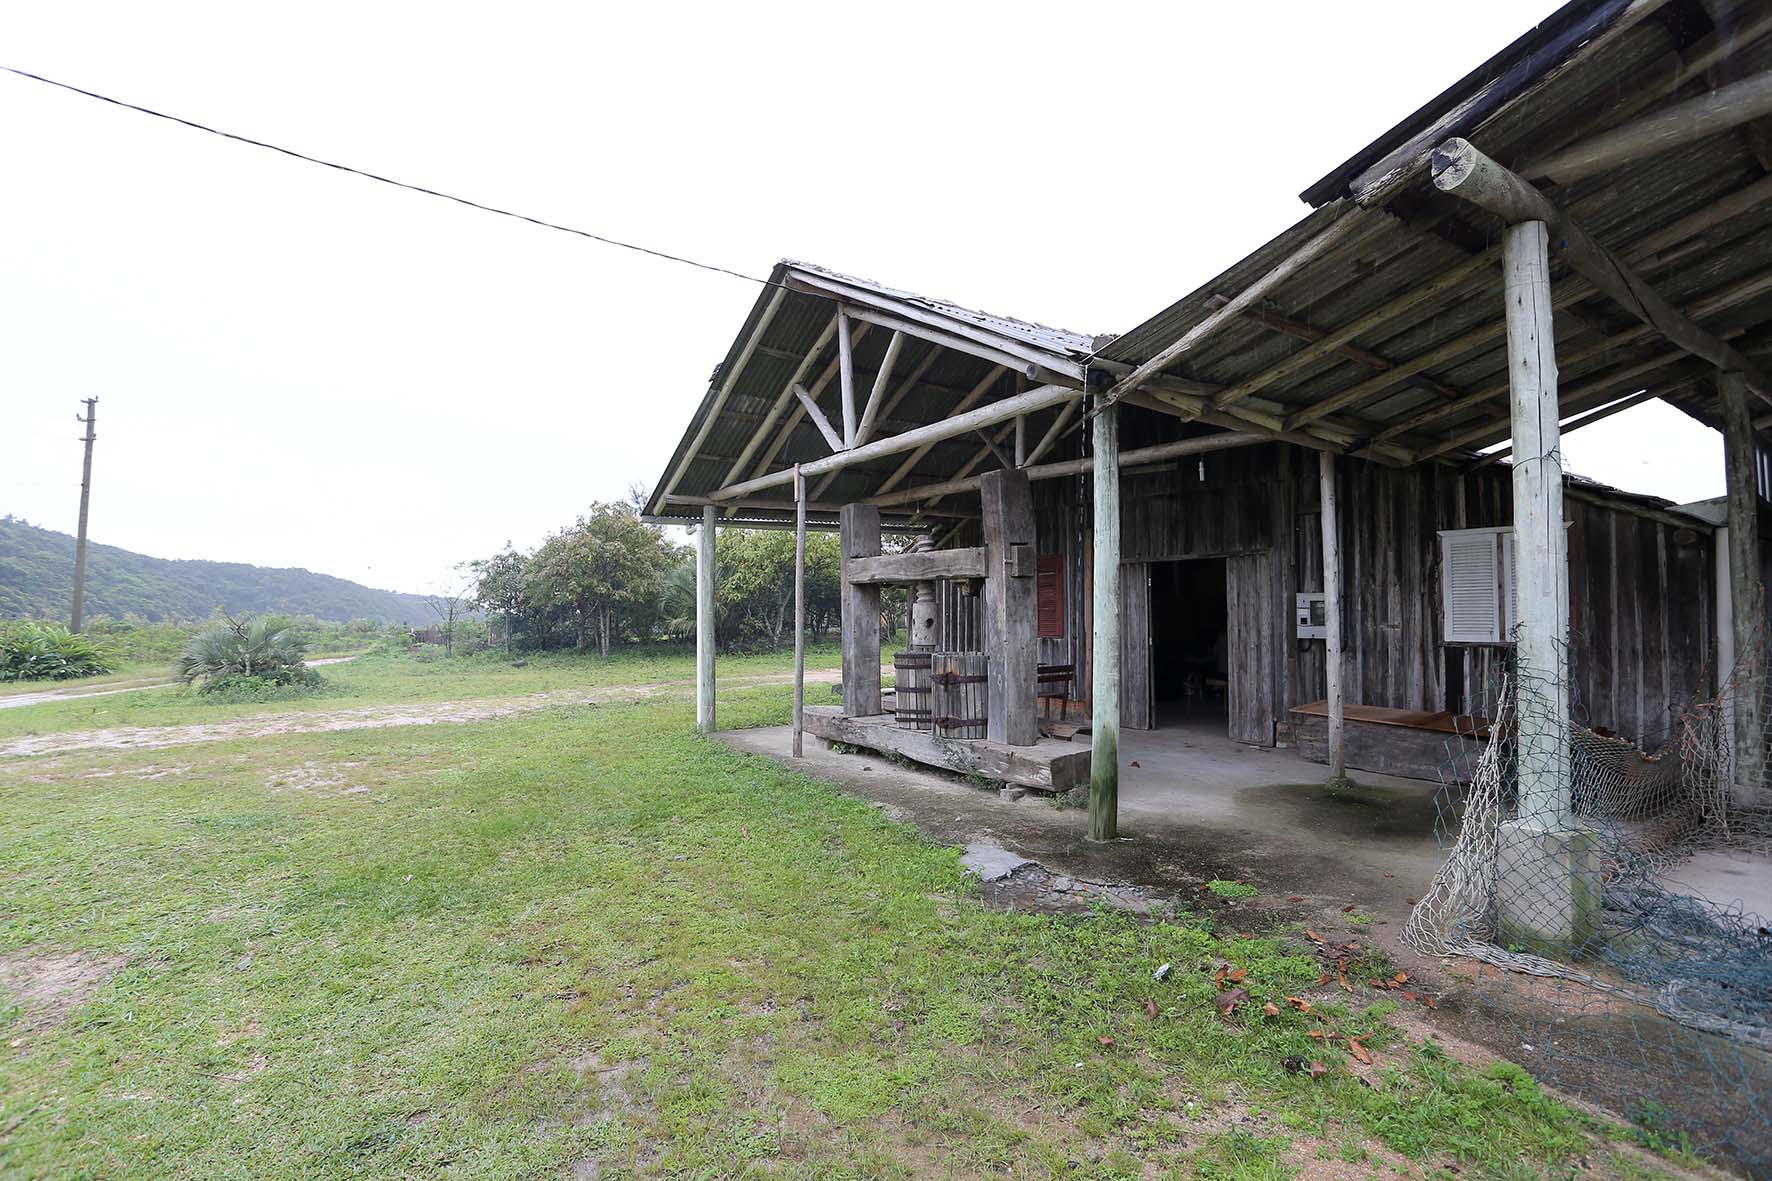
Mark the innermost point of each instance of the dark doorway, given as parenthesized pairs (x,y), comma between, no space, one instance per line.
(1190,659)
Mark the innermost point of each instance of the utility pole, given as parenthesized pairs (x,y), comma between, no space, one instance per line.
(85,499)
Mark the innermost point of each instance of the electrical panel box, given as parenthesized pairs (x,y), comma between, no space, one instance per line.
(1311,616)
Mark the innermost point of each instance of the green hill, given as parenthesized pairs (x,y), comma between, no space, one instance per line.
(37,580)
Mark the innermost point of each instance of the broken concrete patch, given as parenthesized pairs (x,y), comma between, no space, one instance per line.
(991,862)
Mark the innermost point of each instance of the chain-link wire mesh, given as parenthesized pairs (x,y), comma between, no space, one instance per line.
(1566,889)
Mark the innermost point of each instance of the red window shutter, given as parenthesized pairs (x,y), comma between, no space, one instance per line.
(1051,596)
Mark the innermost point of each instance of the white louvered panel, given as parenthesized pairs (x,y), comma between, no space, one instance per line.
(1472,588)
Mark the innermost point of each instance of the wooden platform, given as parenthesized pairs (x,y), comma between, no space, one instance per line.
(1049,765)
(1412,743)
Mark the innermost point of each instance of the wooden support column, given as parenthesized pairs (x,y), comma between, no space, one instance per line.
(1104,731)
(859,525)
(1011,609)
(1540,543)
(704,622)
(799,612)
(846,378)
(1547,887)
(1332,617)
(1746,609)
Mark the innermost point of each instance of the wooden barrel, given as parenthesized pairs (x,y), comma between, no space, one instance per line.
(959,694)
(913,670)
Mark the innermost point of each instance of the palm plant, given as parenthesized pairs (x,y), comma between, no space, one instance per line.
(49,652)
(264,646)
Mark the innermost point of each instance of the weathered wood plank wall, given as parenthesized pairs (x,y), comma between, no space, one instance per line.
(1642,589)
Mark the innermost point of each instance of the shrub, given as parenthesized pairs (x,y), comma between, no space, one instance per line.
(271,686)
(50,652)
(266,647)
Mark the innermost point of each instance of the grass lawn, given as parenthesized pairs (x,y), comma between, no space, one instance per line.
(382,678)
(586,942)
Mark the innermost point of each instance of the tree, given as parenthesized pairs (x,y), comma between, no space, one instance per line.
(606,569)
(501,584)
(446,604)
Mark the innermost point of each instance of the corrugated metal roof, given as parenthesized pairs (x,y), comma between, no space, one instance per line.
(1414,382)
(748,422)
(1418,234)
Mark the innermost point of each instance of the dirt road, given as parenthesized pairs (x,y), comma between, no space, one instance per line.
(369,717)
(20,700)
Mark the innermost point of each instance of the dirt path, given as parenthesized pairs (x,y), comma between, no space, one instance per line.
(370,717)
(20,700)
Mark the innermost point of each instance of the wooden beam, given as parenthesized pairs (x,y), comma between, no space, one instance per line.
(917,566)
(1461,170)
(799,613)
(1651,252)
(948,340)
(786,398)
(727,380)
(1011,611)
(1104,691)
(1675,126)
(1702,308)
(831,437)
(1052,435)
(898,395)
(882,379)
(1021,441)
(925,436)
(911,318)
(846,377)
(1440,285)
(1572,423)
(1341,230)
(704,623)
(1625,380)
(915,457)
(859,537)
(1158,453)
(1003,460)
(1541,544)
(1594,33)
(1747,607)
(1353,352)
(1332,618)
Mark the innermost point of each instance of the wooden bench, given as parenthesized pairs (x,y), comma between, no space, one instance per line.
(1415,744)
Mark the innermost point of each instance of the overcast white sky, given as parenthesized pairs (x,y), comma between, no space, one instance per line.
(302,368)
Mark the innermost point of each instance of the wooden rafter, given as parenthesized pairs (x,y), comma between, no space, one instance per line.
(727,381)
(918,438)
(898,395)
(1460,169)
(1660,131)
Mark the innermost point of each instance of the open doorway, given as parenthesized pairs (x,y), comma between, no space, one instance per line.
(1190,637)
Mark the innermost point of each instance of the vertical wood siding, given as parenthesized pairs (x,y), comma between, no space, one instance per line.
(1642,605)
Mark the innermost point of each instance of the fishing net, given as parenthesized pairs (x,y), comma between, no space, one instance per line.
(1612,936)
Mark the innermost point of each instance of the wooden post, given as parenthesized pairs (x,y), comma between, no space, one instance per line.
(1745,607)
(859,526)
(846,371)
(1011,610)
(79,611)
(1541,545)
(1547,887)
(799,611)
(1332,617)
(704,622)
(1104,725)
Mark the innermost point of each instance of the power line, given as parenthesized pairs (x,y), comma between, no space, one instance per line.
(399,184)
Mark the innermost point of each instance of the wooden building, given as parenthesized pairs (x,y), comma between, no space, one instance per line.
(1582,223)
